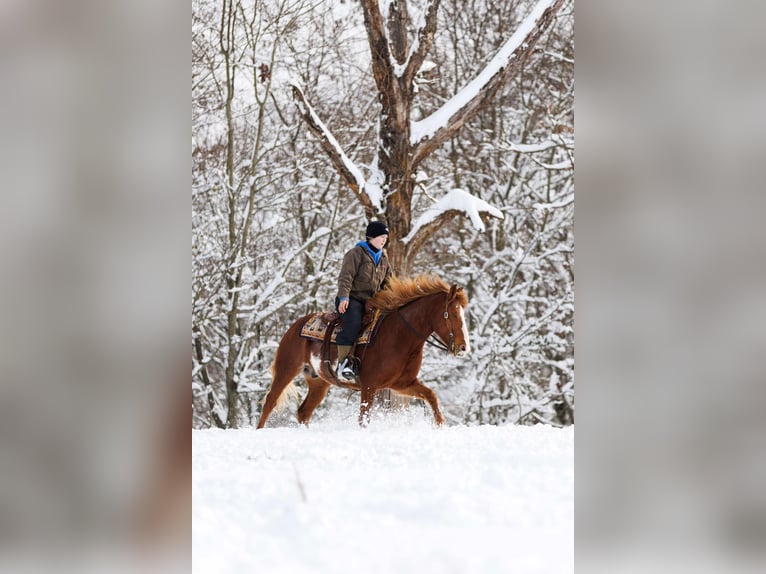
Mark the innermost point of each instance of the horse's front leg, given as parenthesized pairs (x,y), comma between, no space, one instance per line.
(420,391)
(365,405)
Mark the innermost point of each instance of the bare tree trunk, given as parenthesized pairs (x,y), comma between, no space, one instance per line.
(228,17)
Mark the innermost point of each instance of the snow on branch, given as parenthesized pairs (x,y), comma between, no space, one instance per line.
(426,27)
(537,147)
(458,201)
(370,195)
(464,105)
(384,6)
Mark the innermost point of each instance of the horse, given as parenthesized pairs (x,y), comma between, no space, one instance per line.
(413,309)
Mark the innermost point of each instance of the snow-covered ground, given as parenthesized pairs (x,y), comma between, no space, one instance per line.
(400,496)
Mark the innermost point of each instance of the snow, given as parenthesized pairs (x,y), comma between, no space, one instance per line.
(341,10)
(385,6)
(427,66)
(427,127)
(400,496)
(373,186)
(542,146)
(455,200)
(565,164)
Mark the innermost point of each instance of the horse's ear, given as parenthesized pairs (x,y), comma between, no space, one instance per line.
(452,292)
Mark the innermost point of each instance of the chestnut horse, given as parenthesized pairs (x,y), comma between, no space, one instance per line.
(413,309)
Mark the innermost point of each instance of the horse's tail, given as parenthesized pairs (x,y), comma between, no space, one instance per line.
(289,393)
(281,367)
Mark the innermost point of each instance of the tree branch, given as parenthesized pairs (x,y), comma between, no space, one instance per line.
(448,119)
(455,203)
(425,232)
(379,48)
(397,28)
(348,171)
(425,40)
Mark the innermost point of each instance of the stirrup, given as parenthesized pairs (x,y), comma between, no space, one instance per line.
(346,371)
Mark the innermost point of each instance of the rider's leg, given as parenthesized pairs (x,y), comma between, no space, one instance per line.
(343,351)
(352,324)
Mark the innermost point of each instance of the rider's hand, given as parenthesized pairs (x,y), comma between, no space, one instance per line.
(343,306)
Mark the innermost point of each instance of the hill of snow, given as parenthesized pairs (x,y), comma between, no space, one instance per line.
(400,496)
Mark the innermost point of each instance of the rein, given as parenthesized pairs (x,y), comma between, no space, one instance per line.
(432,339)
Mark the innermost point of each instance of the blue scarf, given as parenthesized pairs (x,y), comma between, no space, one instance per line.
(375,256)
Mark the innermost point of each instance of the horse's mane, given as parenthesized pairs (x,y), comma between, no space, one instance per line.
(402,290)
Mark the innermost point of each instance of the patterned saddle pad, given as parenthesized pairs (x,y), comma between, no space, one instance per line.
(316,327)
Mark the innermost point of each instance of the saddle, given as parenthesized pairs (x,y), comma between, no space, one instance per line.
(317,325)
(323,327)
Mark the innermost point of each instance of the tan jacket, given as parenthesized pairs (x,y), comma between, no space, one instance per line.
(359,277)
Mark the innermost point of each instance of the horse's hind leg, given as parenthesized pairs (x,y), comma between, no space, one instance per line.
(317,392)
(420,391)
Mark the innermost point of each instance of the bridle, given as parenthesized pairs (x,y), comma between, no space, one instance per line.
(433,339)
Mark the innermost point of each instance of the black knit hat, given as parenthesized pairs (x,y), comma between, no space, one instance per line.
(376,228)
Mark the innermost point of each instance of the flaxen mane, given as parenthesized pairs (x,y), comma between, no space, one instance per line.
(401,291)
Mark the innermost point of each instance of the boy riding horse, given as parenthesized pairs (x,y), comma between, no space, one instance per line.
(364,272)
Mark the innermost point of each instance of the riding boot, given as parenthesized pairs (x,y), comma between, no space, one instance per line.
(345,368)
(343,351)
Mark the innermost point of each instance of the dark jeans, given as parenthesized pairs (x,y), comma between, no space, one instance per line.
(352,321)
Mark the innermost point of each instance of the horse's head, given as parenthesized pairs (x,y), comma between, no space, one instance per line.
(452,330)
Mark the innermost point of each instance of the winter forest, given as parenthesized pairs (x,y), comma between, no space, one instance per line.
(452,121)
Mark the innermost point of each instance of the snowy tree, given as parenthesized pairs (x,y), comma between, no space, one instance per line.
(518,155)
(403,142)
(271,217)
(237,168)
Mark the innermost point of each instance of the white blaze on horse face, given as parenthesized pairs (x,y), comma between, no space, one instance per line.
(465,330)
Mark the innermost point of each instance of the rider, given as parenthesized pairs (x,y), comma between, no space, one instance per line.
(364,272)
